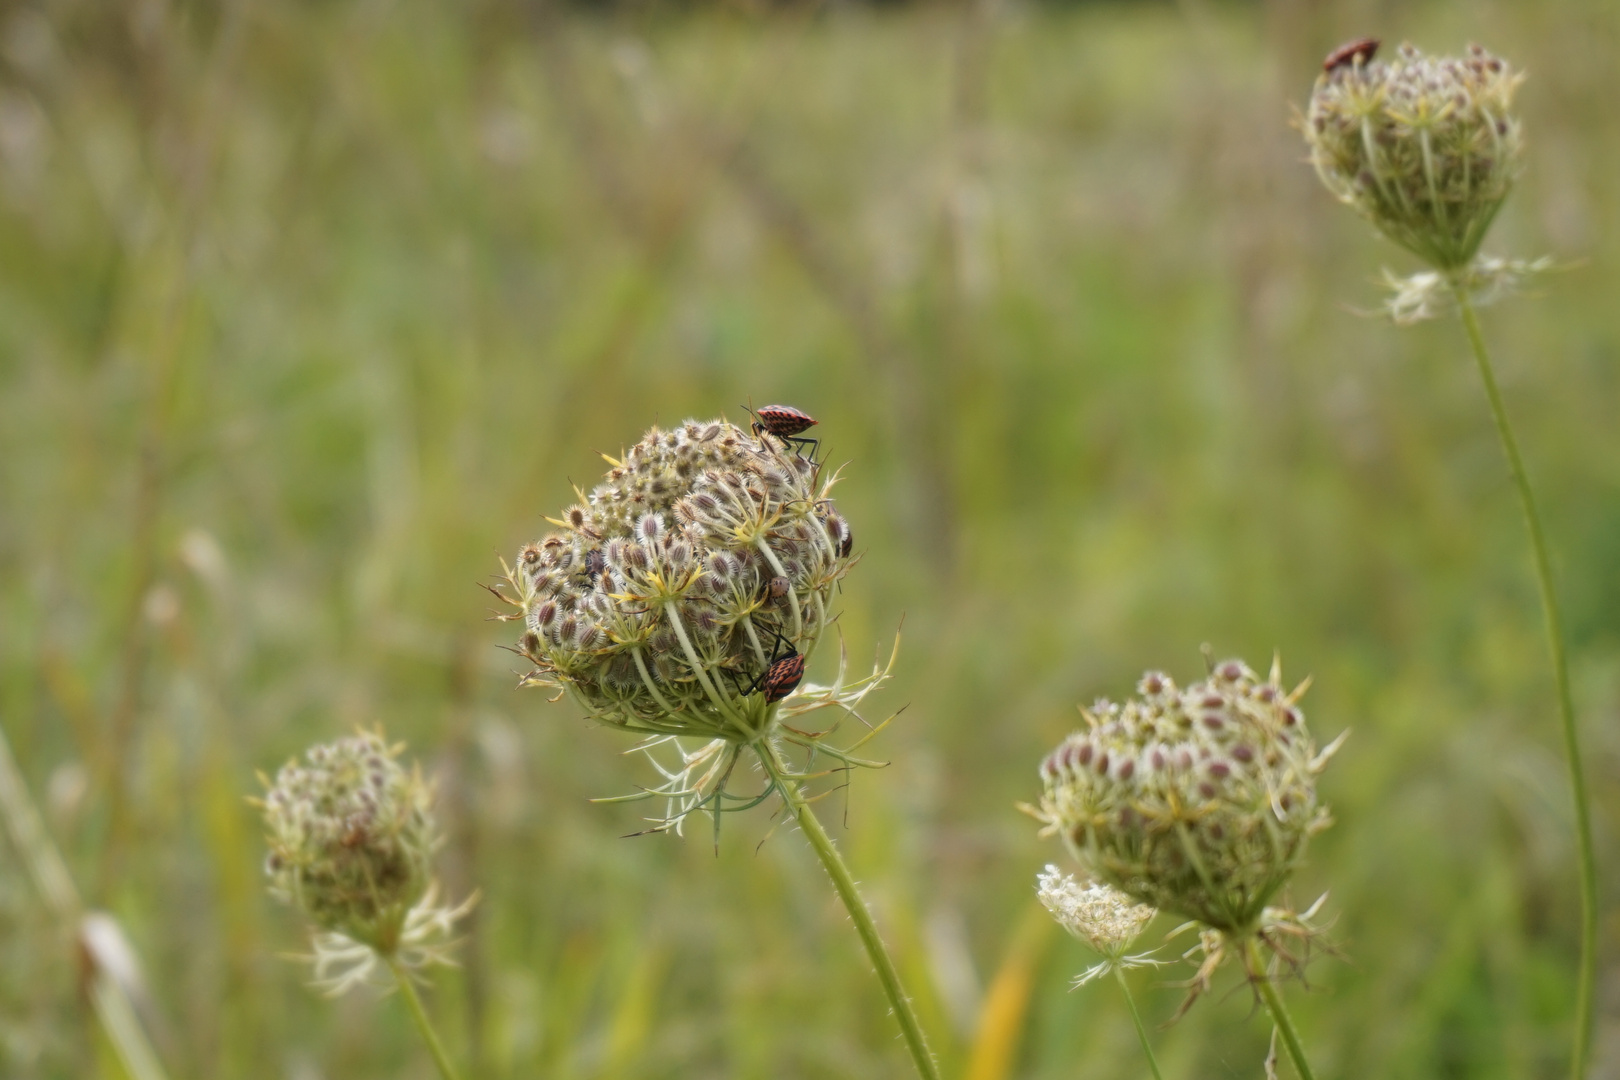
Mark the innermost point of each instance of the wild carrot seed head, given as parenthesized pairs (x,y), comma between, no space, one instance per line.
(661,599)
(1197,801)
(351,836)
(1427,148)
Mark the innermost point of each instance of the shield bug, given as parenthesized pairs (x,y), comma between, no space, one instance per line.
(781,676)
(1357,53)
(785,422)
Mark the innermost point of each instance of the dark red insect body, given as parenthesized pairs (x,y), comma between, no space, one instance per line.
(782,677)
(785,422)
(1360,51)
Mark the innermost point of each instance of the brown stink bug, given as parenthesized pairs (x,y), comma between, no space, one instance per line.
(1351,54)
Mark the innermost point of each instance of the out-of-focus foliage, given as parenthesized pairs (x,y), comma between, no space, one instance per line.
(307,312)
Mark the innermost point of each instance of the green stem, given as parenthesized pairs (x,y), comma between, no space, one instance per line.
(1141,1029)
(1566,704)
(113,1009)
(1279,1013)
(844,884)
(413,1002)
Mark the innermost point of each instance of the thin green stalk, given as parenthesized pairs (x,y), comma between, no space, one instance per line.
(1279,1012)
(1141,1029)
(108,997)
(1566,703)
(844,884)
(413,1002)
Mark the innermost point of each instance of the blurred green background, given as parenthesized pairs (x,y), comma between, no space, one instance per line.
(309,311)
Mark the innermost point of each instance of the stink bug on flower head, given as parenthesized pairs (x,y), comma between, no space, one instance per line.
(781,676)
(1351,53)
(785,422)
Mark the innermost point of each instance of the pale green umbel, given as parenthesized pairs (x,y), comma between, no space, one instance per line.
(352,835)
(669,587)
(1200,802)
(1425,147)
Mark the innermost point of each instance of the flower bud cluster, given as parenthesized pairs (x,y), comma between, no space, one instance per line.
(1427,148)
(662,597)
(351,837)
(1197,801)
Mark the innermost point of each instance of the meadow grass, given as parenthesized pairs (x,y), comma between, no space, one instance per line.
(306,312)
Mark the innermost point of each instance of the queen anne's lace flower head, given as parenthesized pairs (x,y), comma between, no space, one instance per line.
(351,835)
(1198,802)
(1426,148)
(1101,916)
(704,554)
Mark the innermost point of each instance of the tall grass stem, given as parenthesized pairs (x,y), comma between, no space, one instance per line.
(413,1002)
(108,997)
(1141,1029)
(1566,704)
(844,884)
(1274,1004)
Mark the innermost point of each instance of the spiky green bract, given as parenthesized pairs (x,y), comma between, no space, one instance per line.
(352,835)
(1426,148)
(1198,802)
(662,598)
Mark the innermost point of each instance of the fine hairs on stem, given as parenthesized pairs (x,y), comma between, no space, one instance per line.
(860,915)
(1428,149)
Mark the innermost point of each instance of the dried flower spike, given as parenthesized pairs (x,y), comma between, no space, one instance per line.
(659,603)
(1198,801)
(1426,148)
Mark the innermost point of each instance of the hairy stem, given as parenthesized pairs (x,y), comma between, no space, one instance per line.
(1141,1029)
(844,884)
(1274,1004)
(419,1016)
(1566,704)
